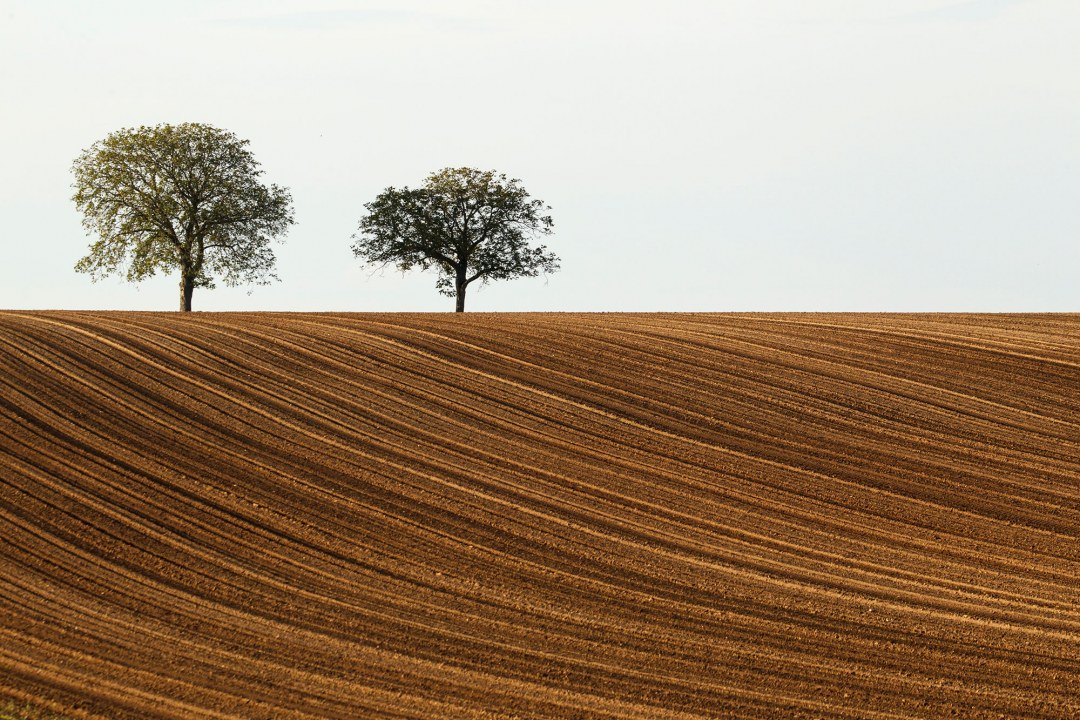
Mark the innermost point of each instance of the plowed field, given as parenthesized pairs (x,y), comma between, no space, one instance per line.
(540,516)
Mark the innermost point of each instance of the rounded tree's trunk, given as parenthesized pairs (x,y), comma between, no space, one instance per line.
(460,286)
(187,287)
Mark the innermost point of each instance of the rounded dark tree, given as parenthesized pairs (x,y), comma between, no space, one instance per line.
(469,225)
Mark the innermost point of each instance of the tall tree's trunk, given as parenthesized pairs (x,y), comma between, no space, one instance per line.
(460,284)
(187,287)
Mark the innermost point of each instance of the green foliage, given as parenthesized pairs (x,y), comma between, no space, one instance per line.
(184,197)
(467,224)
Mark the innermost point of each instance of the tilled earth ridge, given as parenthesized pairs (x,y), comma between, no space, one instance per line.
(540,515)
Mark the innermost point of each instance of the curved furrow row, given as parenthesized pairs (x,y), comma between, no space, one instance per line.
(759,447)
(652,508)
(655,408)
(591,516)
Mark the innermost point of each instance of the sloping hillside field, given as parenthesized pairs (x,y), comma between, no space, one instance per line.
(540,516)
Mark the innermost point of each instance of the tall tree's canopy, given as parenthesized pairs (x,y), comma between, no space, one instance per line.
(178,197)
(465,223)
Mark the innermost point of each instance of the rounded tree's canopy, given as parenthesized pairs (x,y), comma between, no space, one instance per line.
(178,197)
(467,224)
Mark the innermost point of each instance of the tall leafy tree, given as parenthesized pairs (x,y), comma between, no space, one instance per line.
(469,225)
(181,198)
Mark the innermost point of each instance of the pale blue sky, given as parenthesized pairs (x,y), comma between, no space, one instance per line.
(697,154)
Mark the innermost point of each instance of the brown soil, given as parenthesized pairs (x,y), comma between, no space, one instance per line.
(540,516)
